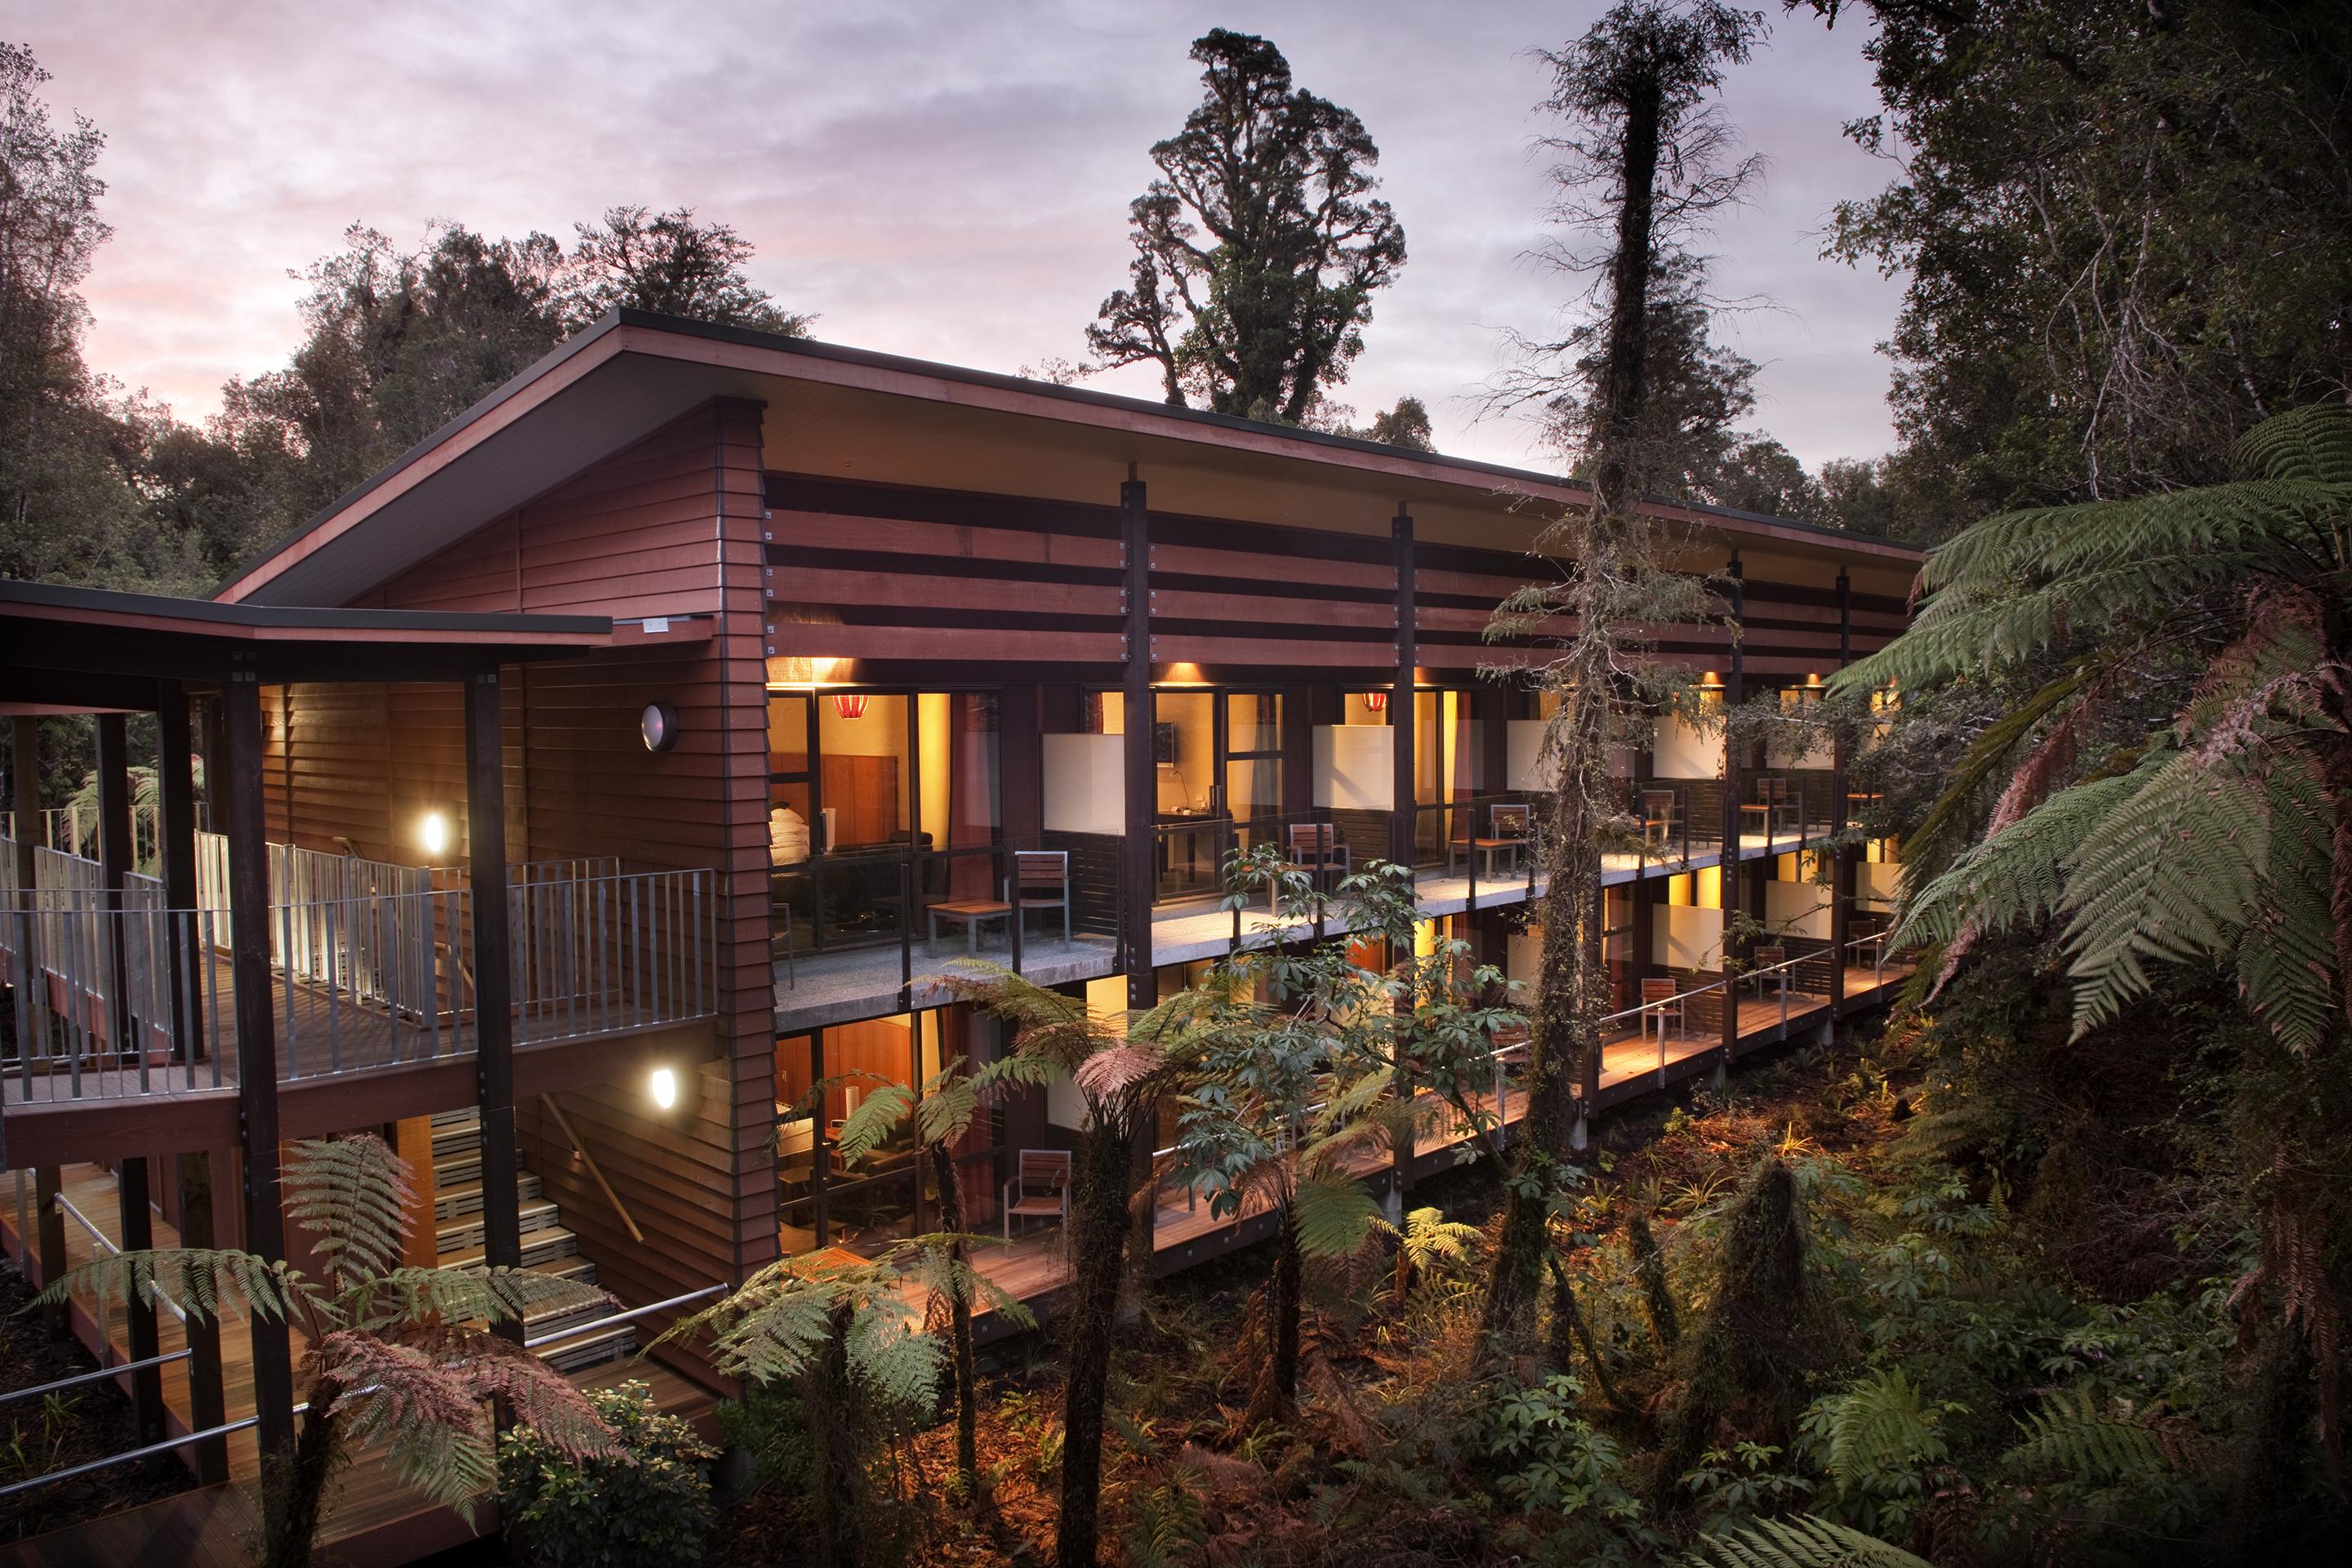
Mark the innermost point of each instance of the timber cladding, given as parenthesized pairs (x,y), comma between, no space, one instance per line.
(865,571)
(668,528)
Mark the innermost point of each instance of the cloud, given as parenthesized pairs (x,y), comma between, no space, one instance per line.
(948,180)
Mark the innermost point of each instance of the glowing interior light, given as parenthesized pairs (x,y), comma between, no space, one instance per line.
(664,1087)
(434,833)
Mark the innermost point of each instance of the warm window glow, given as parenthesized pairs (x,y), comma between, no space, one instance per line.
(664,1088)
(433,833)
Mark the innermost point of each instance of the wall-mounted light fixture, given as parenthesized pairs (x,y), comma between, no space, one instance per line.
(849,704)
(657,726)
(432,834)
(662,1088)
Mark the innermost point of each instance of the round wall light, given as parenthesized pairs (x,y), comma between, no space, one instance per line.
(657,726)
(432,834)
(663,1087)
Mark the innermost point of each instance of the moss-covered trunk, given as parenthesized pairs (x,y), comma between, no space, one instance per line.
(830,1403)
(1098,1230)
(967,1377)
(1276,1396)
(294,1505)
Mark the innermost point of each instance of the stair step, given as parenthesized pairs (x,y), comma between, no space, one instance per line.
(454,1201)
(550,1245)
(467,1232)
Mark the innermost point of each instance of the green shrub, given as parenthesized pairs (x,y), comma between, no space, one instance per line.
(645,1505)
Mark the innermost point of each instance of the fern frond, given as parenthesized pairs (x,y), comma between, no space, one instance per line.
(2073,1438)
(354,1195)
(878,1114)
(1881,1425)
(2304,445)
(2020,875)
(2173,873)
(1333,1213)
(1796,1542)
(192,1276)
(436,1432)
(1936,841)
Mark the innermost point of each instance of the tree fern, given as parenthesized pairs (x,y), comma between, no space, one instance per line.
(1334,1214)
(192,1276)
(1795,1543)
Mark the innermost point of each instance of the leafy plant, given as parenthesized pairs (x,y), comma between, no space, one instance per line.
(397,1354)
(1428,1243)
(645,1503)
(1798,1542)
(1559,1462)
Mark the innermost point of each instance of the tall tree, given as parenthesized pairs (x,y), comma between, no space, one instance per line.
(2127,232)
(1258,249)
(1644,156)
(669,263)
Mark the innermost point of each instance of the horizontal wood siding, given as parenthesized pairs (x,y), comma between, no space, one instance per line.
(668,528)
(891,572)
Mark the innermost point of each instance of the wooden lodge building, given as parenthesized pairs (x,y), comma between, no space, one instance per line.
(636,752)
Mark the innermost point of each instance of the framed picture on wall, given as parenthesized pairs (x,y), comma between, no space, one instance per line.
(1164,742)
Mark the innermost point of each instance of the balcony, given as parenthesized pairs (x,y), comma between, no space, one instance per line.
(371,968)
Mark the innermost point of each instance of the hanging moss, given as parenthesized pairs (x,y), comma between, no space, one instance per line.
(1765,1329)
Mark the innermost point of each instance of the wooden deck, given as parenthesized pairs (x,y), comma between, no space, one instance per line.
(371,1519)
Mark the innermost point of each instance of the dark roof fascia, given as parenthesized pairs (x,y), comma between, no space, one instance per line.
(869,358)
(291,617)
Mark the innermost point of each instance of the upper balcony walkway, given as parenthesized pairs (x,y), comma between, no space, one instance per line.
(1470,855)
(370,971)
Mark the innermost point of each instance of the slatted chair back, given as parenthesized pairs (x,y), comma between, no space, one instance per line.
(1768,957)
(1656,991)
(1658,805)
(1045,1170)
(1510,821)
(1044,875)
(1313,843)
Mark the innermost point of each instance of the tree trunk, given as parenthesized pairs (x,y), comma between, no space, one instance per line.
(1625,387)
(830,1407)
(967,1379)
(294,1504)
(1649,1270)
(1276,1396)
(1098,1228)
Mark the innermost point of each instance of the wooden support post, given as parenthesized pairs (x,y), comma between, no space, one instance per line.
(117,855)
(1727,876)
(46,1186)
(412,1140)
(1842,856)
(32,1010)
(1404,820)
(175,833)
(207,1396)
(240,781)
(1138,848)
(486,834)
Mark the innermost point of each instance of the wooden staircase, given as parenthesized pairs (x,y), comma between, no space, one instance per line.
(547,1248)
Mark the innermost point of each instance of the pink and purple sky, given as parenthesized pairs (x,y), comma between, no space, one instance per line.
(944,180)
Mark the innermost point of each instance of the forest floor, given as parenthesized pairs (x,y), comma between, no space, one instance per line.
(39,1435)
(1183,1370)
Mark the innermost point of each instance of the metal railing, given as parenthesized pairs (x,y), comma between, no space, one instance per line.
(370,966)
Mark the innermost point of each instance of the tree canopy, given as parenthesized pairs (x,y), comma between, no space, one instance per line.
(1259,247)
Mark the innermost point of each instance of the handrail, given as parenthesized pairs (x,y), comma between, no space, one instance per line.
(603,1325)
(149,1451)
(593,1169)
(114,1249)
(100,1374)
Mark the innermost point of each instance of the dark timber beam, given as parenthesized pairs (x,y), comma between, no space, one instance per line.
(117,858)
(1842,856)
(1136,849)
(1404,820)
(176,833)
(257,1051)
(486,834)
(25,734)
(1729,870)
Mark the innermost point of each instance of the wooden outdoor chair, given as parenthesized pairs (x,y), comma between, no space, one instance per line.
(1316,848)
(1764,958)
(1658,816)
(1044,879)
(1662,999)
(1040,1188)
